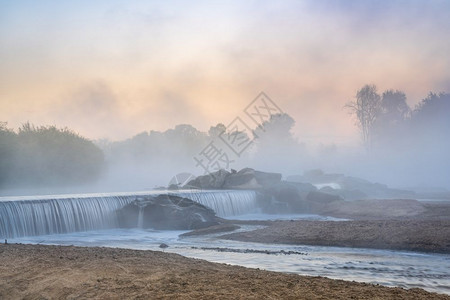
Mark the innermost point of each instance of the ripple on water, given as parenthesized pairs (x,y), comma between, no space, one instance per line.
(385,267)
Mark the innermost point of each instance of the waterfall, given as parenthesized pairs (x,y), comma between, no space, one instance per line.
(52,216)
(225,203)
(140,222)
(40,215)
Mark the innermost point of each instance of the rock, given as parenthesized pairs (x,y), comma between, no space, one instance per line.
(173,187)
(318,201)
(344,193)
(246,175)
(351,188)
(166,212)
(322,198)
(286,197)
(267,179)
(213,180)
(241,180)
(246,178)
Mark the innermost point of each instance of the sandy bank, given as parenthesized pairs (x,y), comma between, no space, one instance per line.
(387,209)
(413,235)
(44,272)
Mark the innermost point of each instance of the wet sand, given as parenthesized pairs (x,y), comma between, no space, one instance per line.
(401,224)
(412,235)
(49,272)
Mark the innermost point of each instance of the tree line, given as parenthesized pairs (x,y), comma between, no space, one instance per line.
(388,120)
(46,156)
(40,156)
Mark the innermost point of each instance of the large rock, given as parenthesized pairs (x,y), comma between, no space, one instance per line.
(344,193)
(350,188)
(286,197)
(322,198)
(319,200)
(166,212)
(250,178)
(246,178)
(213,180)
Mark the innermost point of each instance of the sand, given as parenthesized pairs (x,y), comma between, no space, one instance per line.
(62,272)
(388,209)
(66,272)
(413,235)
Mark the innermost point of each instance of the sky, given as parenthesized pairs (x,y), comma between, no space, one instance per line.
(112,69)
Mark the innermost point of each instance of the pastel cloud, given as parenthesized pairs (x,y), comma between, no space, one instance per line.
(154,65)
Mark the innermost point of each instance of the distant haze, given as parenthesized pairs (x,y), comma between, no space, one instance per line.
(111,69)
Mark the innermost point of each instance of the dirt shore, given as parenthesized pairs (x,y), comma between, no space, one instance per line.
(387,209)
(62,272)
(420,235)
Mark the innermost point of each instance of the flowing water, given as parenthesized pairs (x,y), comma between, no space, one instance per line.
(90,220)
(391,268)
(39,215)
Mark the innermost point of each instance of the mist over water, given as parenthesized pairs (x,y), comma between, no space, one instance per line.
(412,155)
(324,125)
(131,72)
(407,152)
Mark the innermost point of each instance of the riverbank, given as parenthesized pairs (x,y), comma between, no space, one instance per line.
(411,235)
(37,271)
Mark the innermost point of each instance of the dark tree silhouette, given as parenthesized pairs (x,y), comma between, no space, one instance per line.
(278,127)
(275,137)
(432,115)
(392,117)
(394,108)
(47,155)
(215,131)
(8,140)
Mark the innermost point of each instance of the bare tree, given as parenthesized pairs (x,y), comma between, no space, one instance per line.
(366,108)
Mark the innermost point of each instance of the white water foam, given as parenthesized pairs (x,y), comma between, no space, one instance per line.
(39,215)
